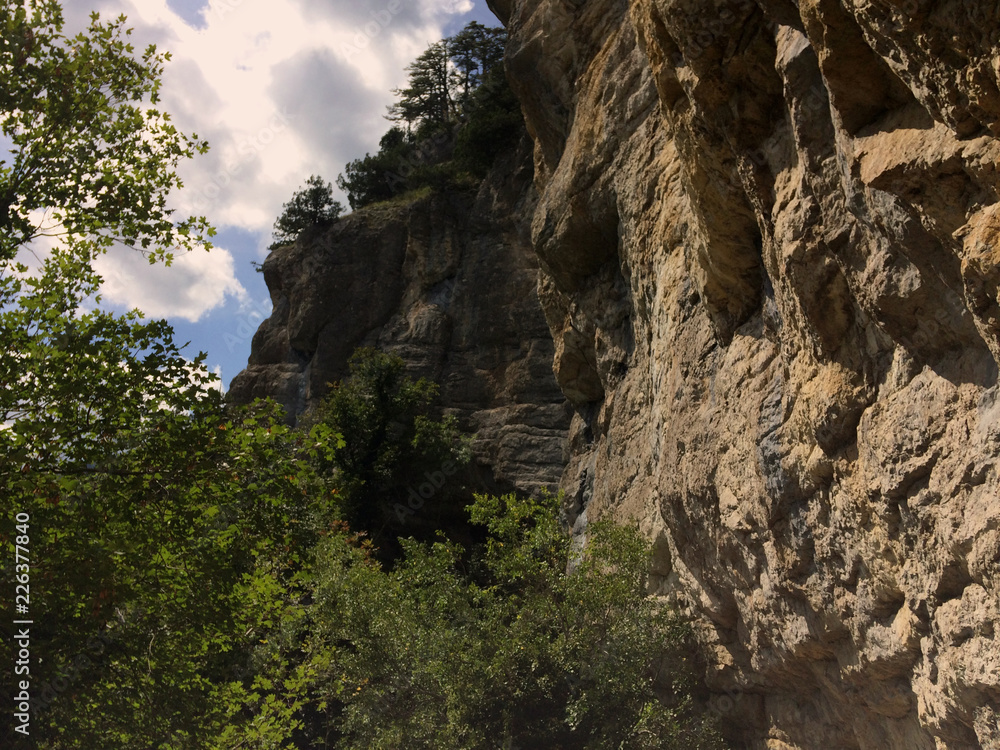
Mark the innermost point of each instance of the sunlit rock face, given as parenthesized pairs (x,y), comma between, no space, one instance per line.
(769,235)
(449,283)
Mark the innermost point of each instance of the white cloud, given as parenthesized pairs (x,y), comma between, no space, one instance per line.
(195,283)
(281,89)
(221,384)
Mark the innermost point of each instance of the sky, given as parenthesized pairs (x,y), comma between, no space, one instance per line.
(281,89)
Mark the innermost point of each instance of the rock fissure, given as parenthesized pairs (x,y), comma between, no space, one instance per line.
(814,204)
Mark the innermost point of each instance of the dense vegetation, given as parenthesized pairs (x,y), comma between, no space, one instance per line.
(203,576)
(456,114)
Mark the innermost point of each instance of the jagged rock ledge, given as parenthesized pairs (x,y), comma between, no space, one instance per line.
(447,281)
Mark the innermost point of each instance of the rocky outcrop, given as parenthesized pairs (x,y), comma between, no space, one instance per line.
(448,282)
(770,241)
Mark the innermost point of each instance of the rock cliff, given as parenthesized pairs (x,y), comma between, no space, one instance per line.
(448,282)
(769,236)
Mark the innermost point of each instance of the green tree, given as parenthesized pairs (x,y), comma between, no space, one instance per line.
(427,99)
(166,530)
(91,158)
(475,51)
(459,113)
(493,124)
(193,537)
(393,443)
(521,653)
(441,80)
(379,177)
(91,164)
(312,205)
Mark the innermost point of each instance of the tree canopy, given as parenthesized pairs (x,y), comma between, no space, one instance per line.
(92,158)
(400,471)
(312,205)
(427,97)
(475,51)
(441,80)
(164,526)
(454,117)
(519,653)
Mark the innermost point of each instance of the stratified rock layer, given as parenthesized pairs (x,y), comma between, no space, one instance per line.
(770,238)
(448,282)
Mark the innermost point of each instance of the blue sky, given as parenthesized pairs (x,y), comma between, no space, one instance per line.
(282,89)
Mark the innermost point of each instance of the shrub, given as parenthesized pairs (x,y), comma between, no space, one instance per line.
(393,442)
(312,205)
(508,649)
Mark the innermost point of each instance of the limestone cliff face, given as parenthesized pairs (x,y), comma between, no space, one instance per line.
(448,282)
(770,240)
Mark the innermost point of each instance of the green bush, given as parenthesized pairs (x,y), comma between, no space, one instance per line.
(506,649)
(393,442)
(310,206)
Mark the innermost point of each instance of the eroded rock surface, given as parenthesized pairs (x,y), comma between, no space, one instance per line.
(770,241)
(448,282)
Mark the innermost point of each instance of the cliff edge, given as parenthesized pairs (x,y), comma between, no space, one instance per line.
(769,235)
(447,280)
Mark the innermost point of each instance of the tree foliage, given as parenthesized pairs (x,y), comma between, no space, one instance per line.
(380,177)
(441,80)
(165,529)
(521,653)
(427,98)
(91,158)
(193,533)
(312,205)
(475,52)
(393,442)
(494,124)
(91,163)
(459,115)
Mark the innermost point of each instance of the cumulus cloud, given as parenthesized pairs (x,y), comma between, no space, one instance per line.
(195,283)
(281,89)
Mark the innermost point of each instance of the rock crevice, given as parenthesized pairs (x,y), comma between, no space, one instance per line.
(768,239)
